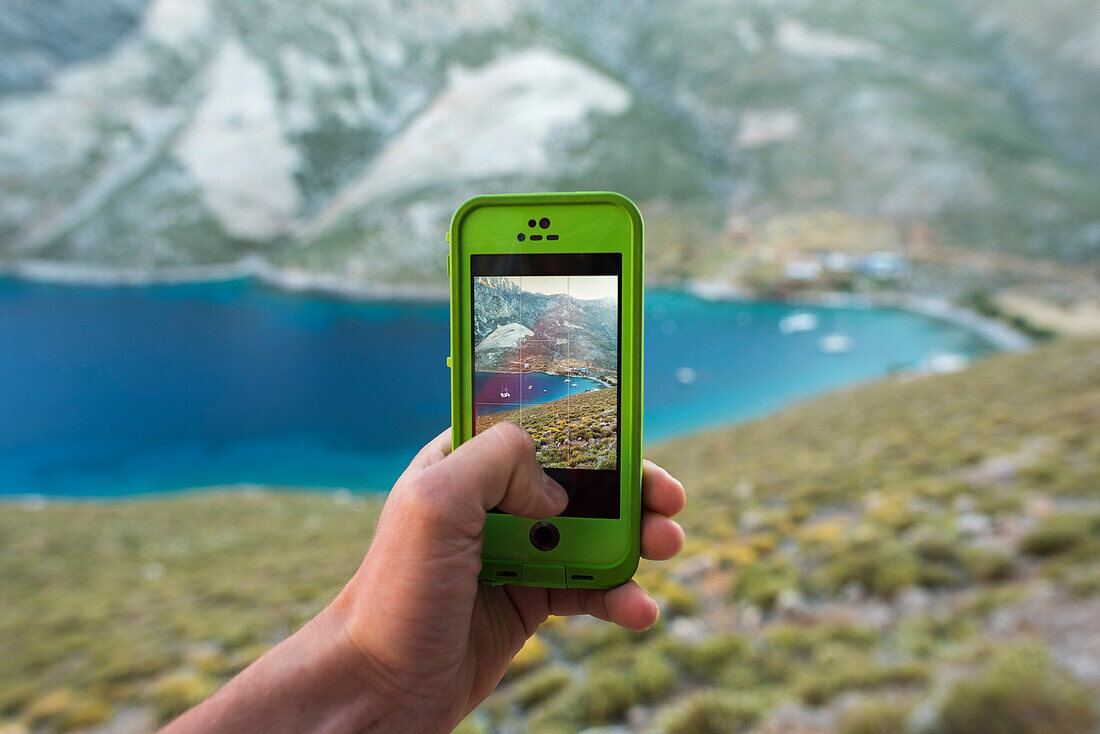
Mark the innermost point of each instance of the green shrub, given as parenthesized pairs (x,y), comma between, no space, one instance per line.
(937,574)
(605,697)
(541,685)
(934,544)
(50,705)
(874,717)
(585,642)
(87,713)
(1060,533)
(986,601)
(678,599)
(652,676)
(646,669)
(883,567)
(894,573)
(769,665)
(708,658)
(174,693)
(1020,693)
(987,564)
(556,714)
(761,583)
(544,725)
(820,684)
(709,712)
(1083,582)
(803,642)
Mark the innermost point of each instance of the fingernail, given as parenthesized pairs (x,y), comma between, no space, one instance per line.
(554,490)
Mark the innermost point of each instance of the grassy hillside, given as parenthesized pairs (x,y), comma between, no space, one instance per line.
(921,552)
(578,431)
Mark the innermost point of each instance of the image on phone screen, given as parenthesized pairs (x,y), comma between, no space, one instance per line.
(546,356)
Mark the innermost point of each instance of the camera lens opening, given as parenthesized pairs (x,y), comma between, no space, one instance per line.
(544,222)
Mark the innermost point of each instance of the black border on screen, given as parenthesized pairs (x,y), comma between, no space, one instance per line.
(593,493)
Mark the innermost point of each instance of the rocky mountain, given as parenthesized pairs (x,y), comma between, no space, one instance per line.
(513,327)
(500,302)
(336,137)
(500,345)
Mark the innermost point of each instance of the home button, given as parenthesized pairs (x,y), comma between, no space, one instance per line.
(545,536)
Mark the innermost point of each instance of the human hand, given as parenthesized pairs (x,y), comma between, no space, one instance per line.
(415,610)
(414,642)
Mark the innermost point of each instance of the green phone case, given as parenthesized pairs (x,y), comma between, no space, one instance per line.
(593,552)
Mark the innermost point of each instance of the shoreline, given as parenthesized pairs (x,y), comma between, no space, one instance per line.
(252,267)
(544,372)
(995,332)
(301,282)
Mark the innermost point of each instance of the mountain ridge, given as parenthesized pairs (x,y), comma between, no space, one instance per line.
(555,332)
(368,123)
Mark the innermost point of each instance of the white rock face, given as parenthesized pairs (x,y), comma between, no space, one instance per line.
(176,22)
(340,86)
(236,150)
(508,336)
(49,141)
(496,120)
(760,127)
(802,40)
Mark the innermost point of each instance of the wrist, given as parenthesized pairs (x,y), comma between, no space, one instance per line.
(380,699)
(311,681)
(354,700)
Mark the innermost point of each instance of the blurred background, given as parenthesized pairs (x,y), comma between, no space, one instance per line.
(873,331)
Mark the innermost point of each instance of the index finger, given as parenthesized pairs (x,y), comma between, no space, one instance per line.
(435,450)
(661,492)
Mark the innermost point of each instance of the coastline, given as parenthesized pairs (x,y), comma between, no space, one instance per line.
(997,333)
(291,280)
(252,267)
(544,372)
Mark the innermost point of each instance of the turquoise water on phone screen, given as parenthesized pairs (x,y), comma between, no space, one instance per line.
(118,391)
(498,392)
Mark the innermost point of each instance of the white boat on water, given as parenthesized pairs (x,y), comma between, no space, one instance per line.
(797,322)
(506,394)
(836,343)
(942,363)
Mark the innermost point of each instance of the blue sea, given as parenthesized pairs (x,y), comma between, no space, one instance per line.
(118,391)
(497,392)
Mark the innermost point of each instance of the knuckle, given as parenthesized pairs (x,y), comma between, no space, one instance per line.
(427,496)
(436,509)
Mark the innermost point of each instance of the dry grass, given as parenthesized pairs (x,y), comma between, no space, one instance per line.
(810,535)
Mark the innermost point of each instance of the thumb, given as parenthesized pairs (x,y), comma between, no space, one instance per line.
(496,468)
(430,532)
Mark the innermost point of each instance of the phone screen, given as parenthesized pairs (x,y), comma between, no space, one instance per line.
(546,344)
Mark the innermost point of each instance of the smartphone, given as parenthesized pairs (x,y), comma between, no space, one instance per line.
(546,332)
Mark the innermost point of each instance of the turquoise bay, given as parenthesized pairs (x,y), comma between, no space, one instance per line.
(497,392)
(118,391)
